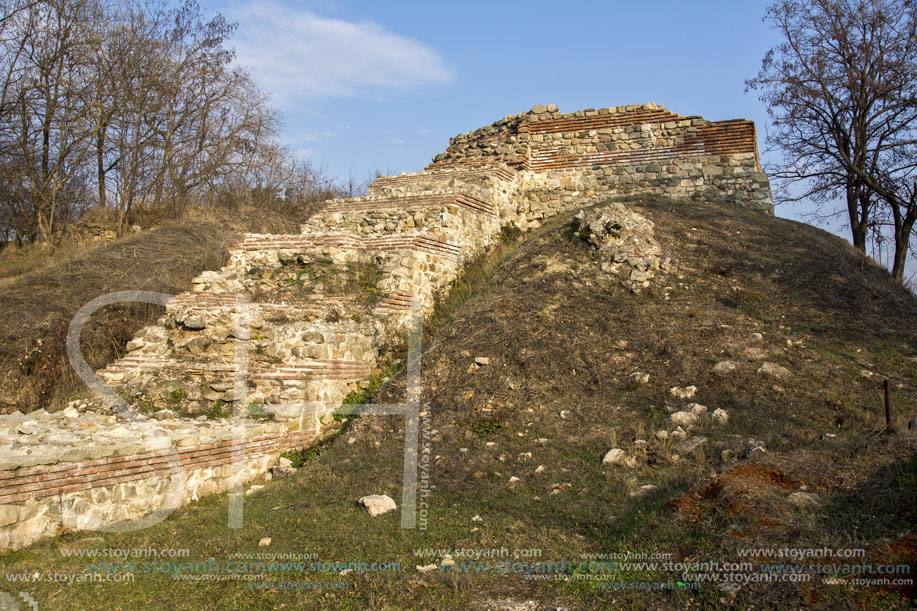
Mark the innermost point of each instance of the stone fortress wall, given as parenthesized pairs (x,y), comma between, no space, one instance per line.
(617,152)
(312,315)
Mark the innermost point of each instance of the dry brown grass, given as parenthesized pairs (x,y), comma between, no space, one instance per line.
(562,342)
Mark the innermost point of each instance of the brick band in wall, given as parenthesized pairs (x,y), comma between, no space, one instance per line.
(296,242)
(419,201)
(415,242)
(396,301)
(23,484)
(730,138)
(315,369)
(210,300)
(203,299)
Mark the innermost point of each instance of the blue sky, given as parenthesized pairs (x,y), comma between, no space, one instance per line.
(383,85)
(370,87)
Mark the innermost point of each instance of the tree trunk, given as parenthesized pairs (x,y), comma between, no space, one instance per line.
(100,164)
(902,242)
(858,212)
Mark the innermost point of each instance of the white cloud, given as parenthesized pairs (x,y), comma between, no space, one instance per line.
(295,53)
(303,153)
(315,136)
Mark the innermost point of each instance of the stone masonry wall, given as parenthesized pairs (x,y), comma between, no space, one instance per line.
(618,152)
(311,315)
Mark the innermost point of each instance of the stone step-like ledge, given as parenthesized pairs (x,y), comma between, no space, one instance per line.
(371,203)
(571,124)
(500,172)
(312,369)
(404,241)
(257,242)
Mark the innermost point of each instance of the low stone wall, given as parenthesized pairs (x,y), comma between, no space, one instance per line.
(76,470)
(293,323)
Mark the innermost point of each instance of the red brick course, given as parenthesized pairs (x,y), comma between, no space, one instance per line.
(414,201)
(38,482)
(724,138)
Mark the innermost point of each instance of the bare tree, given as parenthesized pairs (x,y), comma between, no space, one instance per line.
(50,126)
(841,89)
(126,103)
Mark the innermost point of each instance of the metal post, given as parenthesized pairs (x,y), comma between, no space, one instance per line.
(889,422)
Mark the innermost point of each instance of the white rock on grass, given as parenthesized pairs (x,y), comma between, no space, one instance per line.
(724,367)
(683,419)
(774,370)
(804,500)
(614,456)
(377,504)
(281,471)
(719,416)
(696,408)
(686,392)
(644,490)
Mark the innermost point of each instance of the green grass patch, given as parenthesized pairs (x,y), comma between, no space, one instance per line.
(364,395)
(217,410)
(257,411)
(485,426)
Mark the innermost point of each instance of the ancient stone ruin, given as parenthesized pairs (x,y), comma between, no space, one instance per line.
(312,315)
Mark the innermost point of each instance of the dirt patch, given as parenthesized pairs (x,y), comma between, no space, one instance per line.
(768,475)
(901,551)
(747,490)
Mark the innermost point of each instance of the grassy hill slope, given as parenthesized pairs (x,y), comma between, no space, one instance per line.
(516,445)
